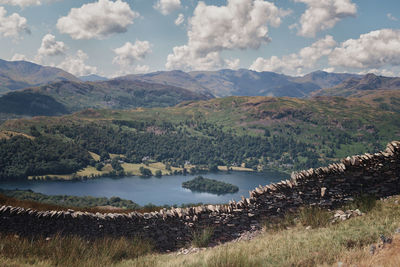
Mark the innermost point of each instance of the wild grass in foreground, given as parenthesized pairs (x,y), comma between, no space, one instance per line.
(346,242)
(292,243)
(202,238)
(70,251)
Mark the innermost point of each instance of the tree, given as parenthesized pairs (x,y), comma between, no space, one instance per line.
(158,173)
(145,172)
(99,166)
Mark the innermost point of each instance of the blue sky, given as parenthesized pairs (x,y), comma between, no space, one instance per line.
(133,36)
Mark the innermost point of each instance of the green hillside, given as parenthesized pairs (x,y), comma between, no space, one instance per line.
(260,132)
(66,97)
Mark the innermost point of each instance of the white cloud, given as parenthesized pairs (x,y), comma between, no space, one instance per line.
(241,24)
(138,69)
(183,58)
(180,19)
(19,57)
(76,64)
(21,3)
(129,53)
(294,63)
(232,63)
(330,69)
(51,47)
(391,17)
(167,6)
(372,50)
(97,20)
(13,25)
(324,14)
(141,69)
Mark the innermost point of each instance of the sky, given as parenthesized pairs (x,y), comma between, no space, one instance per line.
(118,37)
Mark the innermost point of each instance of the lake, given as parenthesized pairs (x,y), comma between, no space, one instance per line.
(158,191)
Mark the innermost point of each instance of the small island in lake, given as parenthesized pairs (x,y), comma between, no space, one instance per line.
(201,184)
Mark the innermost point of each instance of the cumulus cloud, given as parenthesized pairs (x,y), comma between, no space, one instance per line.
(21,3)
(295,63)
(372,50)
(167,6)
(232,63)
(323,15)
(241,24)
(13,25)
(391,17)
(97,20)
(184,58)
(76,64)
(129,53)
(51,47)
(19,57)
(180,19)
(141,69)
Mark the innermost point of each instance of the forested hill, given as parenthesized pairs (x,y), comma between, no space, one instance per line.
(260,132)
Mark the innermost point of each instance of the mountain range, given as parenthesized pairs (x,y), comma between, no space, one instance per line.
(244,82)
(29,89)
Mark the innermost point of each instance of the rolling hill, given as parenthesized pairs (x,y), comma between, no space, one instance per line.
(358,85)
(260,132)
(173,78)
(66,96)
(16,75)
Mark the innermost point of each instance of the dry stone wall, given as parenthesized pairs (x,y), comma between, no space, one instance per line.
(377,174)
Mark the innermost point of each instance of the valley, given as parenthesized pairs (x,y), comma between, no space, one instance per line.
(258,133)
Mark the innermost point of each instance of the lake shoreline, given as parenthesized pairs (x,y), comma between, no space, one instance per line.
(157,191)
(90,174)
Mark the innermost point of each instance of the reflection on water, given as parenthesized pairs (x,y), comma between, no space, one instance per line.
(158,191)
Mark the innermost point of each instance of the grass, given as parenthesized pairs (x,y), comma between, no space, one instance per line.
(365,203)
(324,245)
(133,168)
(346,242)
(235,168)
(95,156)
(202,238)
(129,168)
(70,251)
(314,217)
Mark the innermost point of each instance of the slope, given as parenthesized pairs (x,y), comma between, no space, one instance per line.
(355,86)
(65,97)
(21,74)
(260,132)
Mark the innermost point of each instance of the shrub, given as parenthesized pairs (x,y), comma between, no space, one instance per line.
(314,217)
(145,172)
(363,202)
(158,173)
(202,238)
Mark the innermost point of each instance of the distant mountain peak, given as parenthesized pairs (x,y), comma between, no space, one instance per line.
(16,75)
(92,78)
